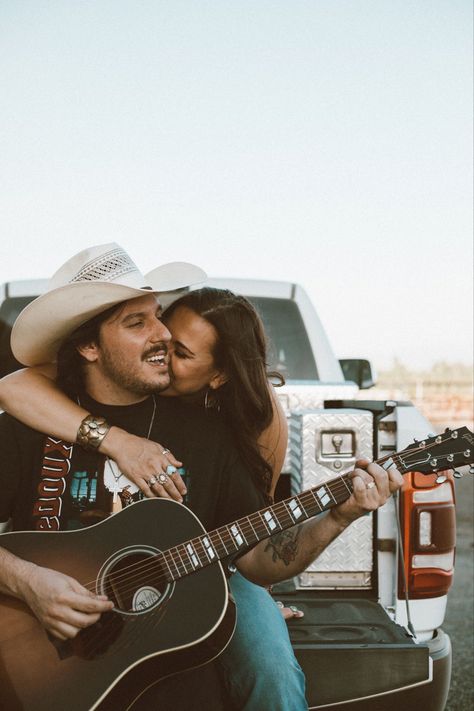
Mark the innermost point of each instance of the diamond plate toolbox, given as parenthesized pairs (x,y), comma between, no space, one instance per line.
(298,396)
(323,444)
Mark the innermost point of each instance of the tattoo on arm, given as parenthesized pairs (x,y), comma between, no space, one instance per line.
(284,545)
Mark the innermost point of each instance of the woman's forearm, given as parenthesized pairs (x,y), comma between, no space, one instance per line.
(32,396)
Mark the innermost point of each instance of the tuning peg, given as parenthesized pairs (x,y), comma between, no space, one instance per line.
(458,475)
(416,441)
(441,478)
(471,470)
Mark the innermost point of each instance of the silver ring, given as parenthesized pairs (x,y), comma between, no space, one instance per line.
(163,478)
(370,485)
(165,451)
(152,481)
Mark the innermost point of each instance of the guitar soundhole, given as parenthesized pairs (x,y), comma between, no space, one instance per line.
(135,579)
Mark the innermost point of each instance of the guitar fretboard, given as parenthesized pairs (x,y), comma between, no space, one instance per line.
(242,534)
(451,448)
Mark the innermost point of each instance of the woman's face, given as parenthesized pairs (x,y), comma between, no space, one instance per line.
(192,366)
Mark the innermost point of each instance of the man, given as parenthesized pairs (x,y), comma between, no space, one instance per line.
(106,326)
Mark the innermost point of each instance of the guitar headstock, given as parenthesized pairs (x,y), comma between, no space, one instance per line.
(453,448)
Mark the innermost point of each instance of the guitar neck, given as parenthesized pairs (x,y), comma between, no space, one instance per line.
(437,452)
(244,533)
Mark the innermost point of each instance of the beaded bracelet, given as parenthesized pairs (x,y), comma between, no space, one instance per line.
(92,432)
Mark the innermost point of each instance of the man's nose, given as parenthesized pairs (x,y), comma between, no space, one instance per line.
(161,333)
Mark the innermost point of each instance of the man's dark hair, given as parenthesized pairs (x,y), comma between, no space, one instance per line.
(70,376)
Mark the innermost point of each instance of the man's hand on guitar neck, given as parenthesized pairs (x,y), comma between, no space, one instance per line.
(372,487)
(61,604)
(290,552)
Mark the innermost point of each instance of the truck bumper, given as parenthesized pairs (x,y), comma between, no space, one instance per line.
(355,657)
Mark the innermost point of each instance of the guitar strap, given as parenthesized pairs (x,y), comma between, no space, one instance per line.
(55,467)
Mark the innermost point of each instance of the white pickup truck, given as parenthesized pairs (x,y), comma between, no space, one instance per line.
(374,602)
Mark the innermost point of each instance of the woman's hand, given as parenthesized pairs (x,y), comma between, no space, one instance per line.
(149,465)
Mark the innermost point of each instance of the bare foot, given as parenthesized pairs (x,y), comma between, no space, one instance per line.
(290,612)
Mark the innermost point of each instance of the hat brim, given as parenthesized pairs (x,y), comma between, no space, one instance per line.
(46,322)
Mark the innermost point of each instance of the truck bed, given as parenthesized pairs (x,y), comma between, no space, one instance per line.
(350,649)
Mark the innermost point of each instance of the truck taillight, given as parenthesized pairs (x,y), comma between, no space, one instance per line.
(429,535)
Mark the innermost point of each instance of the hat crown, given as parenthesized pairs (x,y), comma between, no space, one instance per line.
(104,263)
(87,284)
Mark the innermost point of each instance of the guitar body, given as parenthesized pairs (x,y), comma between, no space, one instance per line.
(159,627)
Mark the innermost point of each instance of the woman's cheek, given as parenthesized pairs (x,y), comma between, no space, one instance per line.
(177,370)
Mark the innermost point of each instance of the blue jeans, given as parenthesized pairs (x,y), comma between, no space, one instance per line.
(260,668)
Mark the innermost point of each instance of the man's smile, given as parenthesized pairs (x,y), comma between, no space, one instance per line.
(157,356)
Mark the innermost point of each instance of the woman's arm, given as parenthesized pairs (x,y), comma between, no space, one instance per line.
(33,397)
(274,440)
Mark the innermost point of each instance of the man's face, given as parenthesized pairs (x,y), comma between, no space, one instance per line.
(131,359)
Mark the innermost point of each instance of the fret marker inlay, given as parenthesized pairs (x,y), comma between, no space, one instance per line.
(208,548)
(323,496)
(270,520)
(192,555)
(295,509)
(236,534)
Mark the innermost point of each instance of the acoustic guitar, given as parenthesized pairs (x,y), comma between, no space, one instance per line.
(162,570)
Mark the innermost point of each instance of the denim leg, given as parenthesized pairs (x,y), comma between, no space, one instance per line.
(259,665)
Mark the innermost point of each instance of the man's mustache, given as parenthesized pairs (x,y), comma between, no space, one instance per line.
(158,348)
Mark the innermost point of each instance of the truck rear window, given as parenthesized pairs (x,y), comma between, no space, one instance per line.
(288,344)
(289,348)
(9,310)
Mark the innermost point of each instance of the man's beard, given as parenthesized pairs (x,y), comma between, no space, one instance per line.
(118,371)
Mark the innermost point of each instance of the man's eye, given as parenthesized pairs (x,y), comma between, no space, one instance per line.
(135,324)
(180,354)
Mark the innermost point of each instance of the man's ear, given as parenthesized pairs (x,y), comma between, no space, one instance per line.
(218,379)
(89,351)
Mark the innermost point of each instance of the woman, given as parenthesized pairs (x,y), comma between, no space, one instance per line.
(217,360)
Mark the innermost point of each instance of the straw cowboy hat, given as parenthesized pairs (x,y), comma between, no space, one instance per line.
(87,284)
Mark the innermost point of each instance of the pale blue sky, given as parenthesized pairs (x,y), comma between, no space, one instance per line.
(327,142)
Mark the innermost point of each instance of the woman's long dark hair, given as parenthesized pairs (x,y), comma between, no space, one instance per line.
(241,353)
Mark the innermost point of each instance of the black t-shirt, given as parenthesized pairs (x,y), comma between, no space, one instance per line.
(220,489)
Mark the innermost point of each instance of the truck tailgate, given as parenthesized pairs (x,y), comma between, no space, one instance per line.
(350,649)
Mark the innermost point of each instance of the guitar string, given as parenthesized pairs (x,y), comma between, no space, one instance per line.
(101,635)
(142,566)
(306,498)
(248,531)
(247,528)
(181,561)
